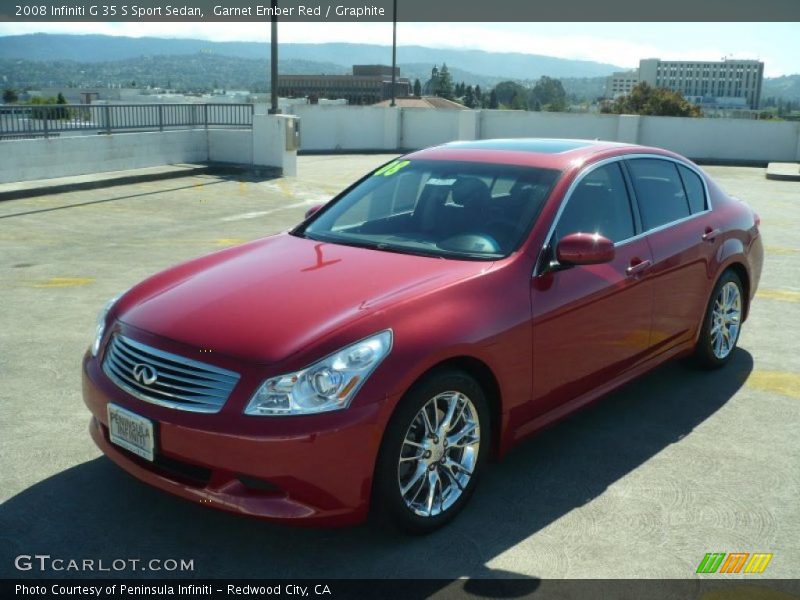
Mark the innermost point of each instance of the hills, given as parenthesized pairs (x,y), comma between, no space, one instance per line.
(46,60)
(102,48)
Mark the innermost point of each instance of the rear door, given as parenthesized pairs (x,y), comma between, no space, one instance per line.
(682,235)
(591,323)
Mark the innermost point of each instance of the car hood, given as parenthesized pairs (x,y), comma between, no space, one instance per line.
(266,300)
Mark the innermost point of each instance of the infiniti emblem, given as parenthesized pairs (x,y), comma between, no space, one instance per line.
(144,374)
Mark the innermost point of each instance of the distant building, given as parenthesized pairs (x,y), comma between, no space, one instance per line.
(430,87)
(621,83)
(708,83)
(424,102)
(367,85)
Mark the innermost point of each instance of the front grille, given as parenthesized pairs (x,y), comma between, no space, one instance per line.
(167,379)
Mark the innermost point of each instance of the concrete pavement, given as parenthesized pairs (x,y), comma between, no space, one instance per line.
(643,484)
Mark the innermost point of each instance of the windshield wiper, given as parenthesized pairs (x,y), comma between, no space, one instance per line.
(398,249)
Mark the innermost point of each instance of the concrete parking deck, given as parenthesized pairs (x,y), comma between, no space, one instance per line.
(643,484)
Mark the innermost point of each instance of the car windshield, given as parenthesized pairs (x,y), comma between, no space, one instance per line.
(462,210)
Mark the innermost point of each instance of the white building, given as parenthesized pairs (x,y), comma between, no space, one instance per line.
(621,83)
(706,80)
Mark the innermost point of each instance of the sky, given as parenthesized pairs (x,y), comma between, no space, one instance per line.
(622,44)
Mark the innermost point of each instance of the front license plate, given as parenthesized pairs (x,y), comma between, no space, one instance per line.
(130,431)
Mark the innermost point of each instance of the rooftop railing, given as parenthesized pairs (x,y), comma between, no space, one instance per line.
(52,120)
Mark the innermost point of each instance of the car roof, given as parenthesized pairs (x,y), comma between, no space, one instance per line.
(551,153)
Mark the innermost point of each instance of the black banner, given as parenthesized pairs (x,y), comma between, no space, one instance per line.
(651,589)
(407,10)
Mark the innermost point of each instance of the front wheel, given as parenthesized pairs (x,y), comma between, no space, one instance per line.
(722,323)
(433,451)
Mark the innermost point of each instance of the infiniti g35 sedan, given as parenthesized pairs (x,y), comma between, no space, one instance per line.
(439,310)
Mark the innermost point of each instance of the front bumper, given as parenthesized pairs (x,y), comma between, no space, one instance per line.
(309,469)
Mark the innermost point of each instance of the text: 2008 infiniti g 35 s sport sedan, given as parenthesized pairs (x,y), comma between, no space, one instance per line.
(436,312)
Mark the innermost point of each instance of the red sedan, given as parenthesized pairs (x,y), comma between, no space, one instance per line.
(436,312)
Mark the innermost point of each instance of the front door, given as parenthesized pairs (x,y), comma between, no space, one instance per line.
(591,323)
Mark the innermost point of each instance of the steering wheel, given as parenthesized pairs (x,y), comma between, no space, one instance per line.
(503,229)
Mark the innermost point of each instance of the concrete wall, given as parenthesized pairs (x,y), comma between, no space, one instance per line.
(264,145)
(723,139)
(24,160)
(230,146)
(422,127)
(346,128)
(353,128)
(514,124)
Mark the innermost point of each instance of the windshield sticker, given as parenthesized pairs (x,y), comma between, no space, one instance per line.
(392,168)
(445,182)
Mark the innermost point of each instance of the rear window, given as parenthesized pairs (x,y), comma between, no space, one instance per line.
(659,191)
(695,190)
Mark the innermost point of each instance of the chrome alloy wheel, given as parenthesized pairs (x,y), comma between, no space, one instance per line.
(439,454)
(726,319)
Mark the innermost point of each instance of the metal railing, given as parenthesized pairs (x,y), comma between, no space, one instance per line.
(51,120)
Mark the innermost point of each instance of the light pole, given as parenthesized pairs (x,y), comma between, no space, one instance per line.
(273,46)
(394,51)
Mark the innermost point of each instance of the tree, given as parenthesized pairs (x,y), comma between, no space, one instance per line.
(478,94)
(10,95)
(445,87)
(647,100)
(469,97)
(548,94)
(417,88)
(506,90)
(519,102)
(493,103)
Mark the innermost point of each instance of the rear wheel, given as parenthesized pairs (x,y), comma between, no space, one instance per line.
(722,323)
(433,452)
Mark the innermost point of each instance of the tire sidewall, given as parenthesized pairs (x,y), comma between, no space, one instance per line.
(705,352)
(387,495)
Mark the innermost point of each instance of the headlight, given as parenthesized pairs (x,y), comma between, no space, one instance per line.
(328,384)
(100,325)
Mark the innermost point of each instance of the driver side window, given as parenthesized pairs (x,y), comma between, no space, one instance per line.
(599,204)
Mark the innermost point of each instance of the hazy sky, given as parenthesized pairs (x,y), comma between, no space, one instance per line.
(623,44)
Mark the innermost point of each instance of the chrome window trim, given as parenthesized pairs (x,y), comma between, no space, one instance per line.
(587,169)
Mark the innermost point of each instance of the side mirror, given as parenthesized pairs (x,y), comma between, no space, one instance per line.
(584,249)
(310,212)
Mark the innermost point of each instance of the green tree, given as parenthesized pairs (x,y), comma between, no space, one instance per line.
(51,108)
(506,90)
(548,94)
(417,88)
(445,87)
(647,100)
(519,102)
(469,97)
(493,102)
(478,94)
(10,96)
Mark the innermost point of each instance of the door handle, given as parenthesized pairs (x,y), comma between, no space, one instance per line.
(637,268)
(710,234)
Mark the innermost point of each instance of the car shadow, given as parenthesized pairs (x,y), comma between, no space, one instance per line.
(95,510)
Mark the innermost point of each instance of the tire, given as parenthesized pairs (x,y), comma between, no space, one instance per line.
(714,350)
(429,458)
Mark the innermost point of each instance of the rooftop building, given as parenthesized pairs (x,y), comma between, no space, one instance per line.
(709,83)
(368,84)
(424,102)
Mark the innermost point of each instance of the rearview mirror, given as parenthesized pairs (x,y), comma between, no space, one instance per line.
(310,212)
(584,249)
